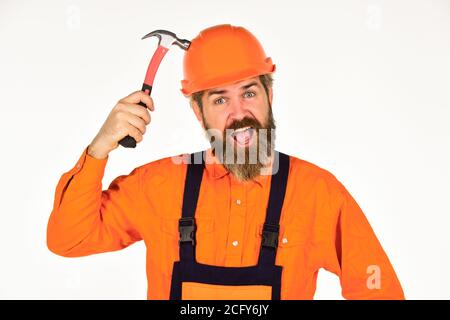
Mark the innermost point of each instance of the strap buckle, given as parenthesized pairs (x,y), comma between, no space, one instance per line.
(186,227)
(270,235)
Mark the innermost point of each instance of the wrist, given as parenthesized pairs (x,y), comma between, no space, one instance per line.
(97,152)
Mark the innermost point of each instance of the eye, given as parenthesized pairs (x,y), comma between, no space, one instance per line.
(220,100)
(249,94)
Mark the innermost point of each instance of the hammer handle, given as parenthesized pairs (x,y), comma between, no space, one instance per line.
(129,141)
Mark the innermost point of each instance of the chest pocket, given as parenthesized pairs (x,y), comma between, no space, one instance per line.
(290,241)
(204,238)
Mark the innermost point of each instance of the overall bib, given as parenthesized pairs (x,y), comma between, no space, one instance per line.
(196,281)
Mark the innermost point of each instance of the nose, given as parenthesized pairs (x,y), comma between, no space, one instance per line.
(238,110)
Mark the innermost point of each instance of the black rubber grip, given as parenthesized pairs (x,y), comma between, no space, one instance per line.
(129,141)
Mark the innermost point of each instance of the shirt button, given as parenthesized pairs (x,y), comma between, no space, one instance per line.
(235,243)
(238,201)
(284,240)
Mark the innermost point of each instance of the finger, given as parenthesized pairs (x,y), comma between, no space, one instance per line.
(137,123)
(134,132)
(137,110)
(148,101)
(139,96)
(133,97)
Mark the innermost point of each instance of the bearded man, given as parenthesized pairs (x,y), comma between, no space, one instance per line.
(240,220)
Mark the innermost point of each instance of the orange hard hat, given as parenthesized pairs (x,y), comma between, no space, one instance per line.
(222,55)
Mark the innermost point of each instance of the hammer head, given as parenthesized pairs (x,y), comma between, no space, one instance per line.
(167,38)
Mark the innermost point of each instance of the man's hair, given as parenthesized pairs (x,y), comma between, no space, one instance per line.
(266,81)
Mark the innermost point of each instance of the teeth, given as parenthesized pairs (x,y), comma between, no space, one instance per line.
(241,130)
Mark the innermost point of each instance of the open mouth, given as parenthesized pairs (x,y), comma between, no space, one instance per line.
(243,136)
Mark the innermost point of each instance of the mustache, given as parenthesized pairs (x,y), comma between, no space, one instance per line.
(245,122)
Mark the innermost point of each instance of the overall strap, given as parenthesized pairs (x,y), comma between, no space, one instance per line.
(186,224)
(271,228)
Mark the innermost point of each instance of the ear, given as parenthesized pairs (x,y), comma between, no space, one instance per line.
(270,95)
(197,113)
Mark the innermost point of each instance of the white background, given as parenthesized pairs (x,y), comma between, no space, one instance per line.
(361,89)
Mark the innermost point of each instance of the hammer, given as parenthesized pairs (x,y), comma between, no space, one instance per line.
(166,39)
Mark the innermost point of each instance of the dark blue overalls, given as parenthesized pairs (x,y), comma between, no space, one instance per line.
(192,280)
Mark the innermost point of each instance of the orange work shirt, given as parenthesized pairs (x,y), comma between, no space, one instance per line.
(321,225)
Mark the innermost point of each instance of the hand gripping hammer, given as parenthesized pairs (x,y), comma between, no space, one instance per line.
(166,39)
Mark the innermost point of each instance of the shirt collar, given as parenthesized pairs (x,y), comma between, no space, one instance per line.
(214,168)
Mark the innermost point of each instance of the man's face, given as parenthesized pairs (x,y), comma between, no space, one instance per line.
(239,123)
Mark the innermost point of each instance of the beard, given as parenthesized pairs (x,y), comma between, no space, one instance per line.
(244,154)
